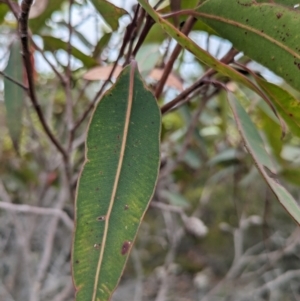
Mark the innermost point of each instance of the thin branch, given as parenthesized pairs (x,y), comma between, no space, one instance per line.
(227,58)
(48,245)
(68,90)
(14,7)
(14,81)
(273,284)
(167,207)
(188,136)
(168,68)
(57,73)
(23,28)
(40,211)
(129,30)
(148,24)
(135,30)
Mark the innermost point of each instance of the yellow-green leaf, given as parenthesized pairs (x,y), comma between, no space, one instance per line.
(286,104)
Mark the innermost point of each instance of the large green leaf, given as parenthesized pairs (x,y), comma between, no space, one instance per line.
(201,54)
(262,159)
(54,44)
(14,94)
(116,184)
(109,12)
(266,32)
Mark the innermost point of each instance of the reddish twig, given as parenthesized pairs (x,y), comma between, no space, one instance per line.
(168,68)
(227,58)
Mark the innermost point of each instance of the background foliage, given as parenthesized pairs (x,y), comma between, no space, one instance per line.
(214,230)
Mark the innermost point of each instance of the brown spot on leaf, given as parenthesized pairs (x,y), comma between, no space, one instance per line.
(97,246)
(126,207)
(125,247)
(101,218)
(279,15)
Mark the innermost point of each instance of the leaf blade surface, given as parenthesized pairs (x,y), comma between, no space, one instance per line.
(266,32)
(115,186)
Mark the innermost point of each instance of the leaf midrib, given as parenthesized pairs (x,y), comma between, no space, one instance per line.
(116,181)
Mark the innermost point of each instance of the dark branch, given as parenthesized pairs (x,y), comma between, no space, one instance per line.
(23,29)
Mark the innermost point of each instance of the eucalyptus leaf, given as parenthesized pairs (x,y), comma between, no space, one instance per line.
(262,159)
(266,32)
(115,185)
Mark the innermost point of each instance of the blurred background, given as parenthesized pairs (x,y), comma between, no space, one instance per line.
(213,231)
